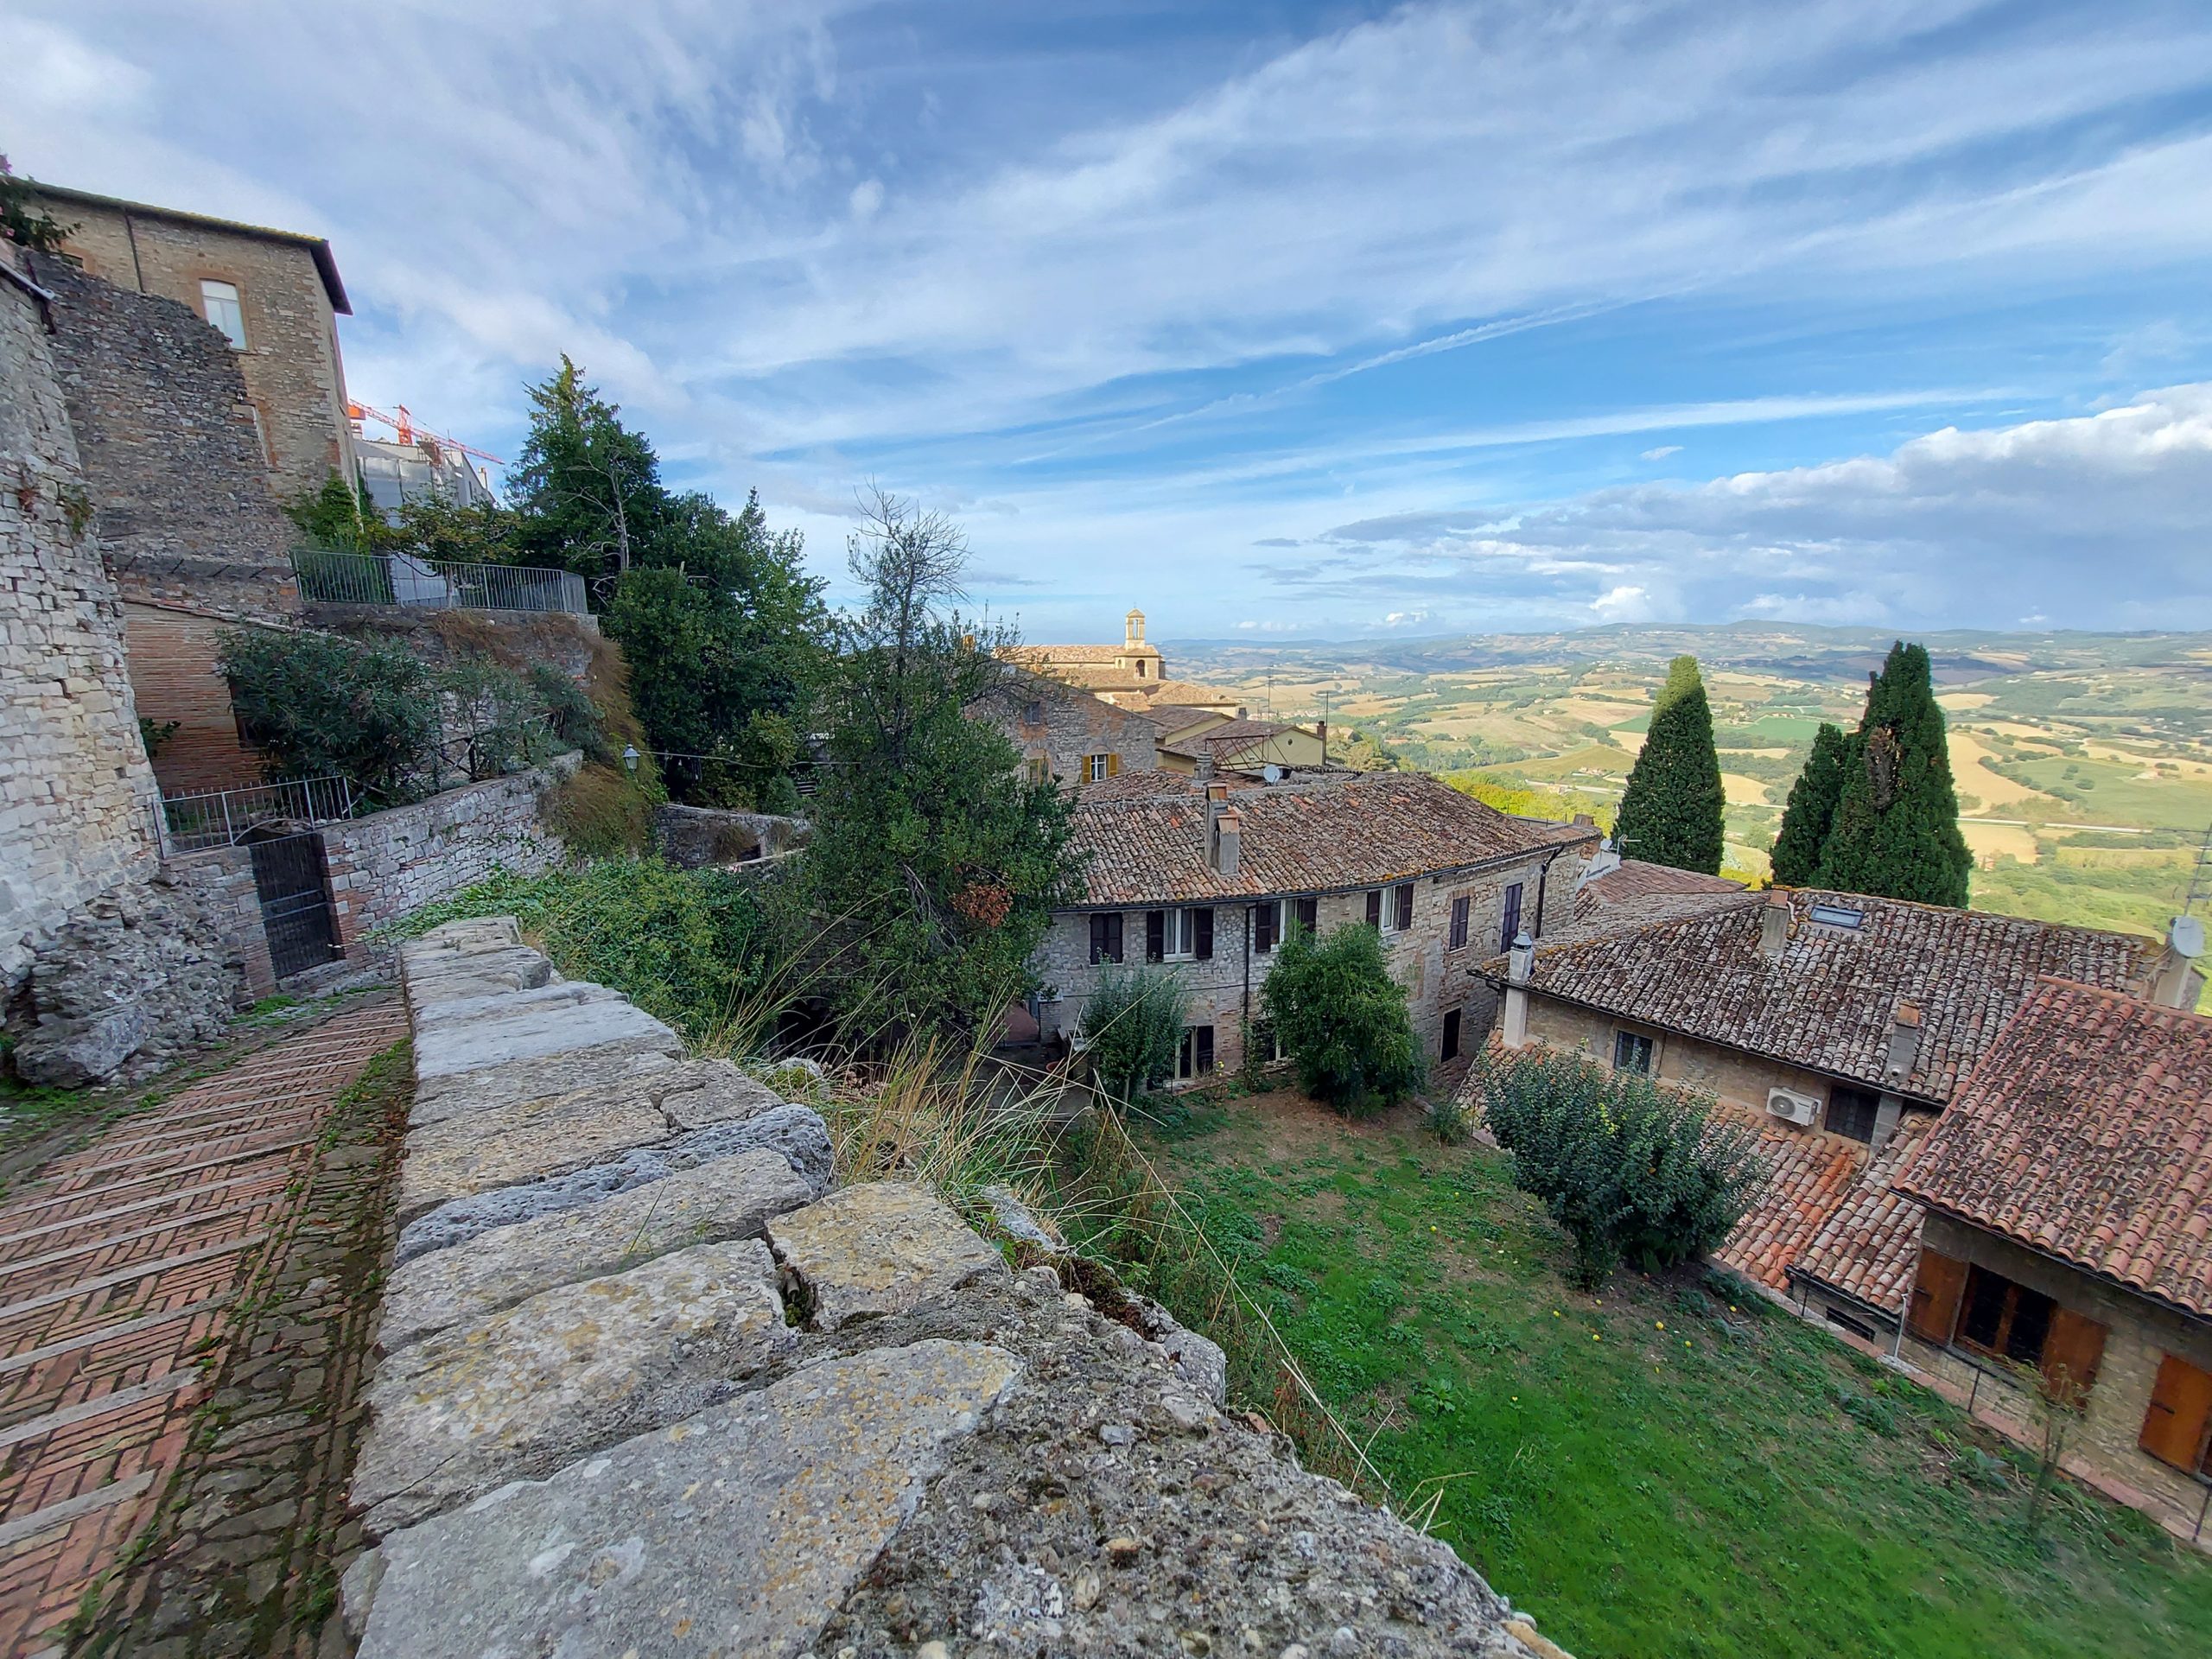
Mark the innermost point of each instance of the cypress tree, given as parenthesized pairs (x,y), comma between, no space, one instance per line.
(1672,812)
(1811,812)
(1896,833)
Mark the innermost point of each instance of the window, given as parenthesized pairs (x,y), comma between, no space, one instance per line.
(1459,907)
(1403,892)
(1179,935)
(1032,713)
(1307,914)
(1837,916)
(1098,768)
(1631,1051)
(1975,1308)
(1141,668)
(1266,927)
(1038,768)
(1375,907)
(1852,1112)
(2177,1426)
(1450,1049)
(219,302)
(1266,1047)
(1106,935)
(1510,929)
(2002,1318)
(1195,1057)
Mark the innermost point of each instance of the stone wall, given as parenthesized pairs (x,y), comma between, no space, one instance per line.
(2138,1334)
(76,795)
(1729,1074)
(702,838)
(296,386)
(391,864)
(1060,727)
(643,1388)
(222,880)
(1225,990)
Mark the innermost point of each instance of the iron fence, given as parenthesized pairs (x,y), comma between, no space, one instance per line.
(403,579)
(221,818)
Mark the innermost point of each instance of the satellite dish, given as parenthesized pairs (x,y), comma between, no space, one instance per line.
(1271,773)
(2187,937)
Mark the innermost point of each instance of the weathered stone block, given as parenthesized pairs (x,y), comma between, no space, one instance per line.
(443,1050)
(571,1370)
(725,1198)
(878,1249)
(796,1133)
(737,1532)
(440,1098)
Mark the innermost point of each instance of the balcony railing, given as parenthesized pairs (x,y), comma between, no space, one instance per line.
(222,817)
(434,584)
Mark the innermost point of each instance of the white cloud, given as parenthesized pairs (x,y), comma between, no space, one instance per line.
(1663,452)
(867,198)
(1622,604)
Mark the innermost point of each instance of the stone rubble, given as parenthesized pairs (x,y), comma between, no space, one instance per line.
(607,1419)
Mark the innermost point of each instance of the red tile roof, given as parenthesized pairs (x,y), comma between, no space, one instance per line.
(1827,1003)
(2086,1133)
(1866,1247)
(1325,835)
(1634,879)
(1810,1175)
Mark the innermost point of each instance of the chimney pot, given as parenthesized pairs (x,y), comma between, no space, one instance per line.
(1227,839)
(1521,961)
(1774,927)
(1904,1040)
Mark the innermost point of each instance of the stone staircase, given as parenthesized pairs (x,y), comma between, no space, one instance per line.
(647,1388)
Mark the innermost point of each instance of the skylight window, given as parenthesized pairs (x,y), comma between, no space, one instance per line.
(1837,916)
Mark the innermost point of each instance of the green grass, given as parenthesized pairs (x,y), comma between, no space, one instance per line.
(1653,1470)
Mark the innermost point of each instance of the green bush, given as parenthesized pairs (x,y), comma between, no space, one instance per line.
(1629,1168)
(1132,1026)
(319,705)
(497,721)
(1342,1019)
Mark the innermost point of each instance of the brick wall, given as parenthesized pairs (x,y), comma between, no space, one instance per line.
(75,790)
(1437,978)
(291,366)
(2138,1334)
(387,866)
(172,655)
(1049,721)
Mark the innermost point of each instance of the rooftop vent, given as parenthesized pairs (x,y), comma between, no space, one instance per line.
(1837,916)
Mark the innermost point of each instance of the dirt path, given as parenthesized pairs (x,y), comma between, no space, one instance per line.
(124,1273)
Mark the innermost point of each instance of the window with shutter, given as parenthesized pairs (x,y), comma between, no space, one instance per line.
(1404,894)
(1263,927)
(1201,934)
(1106,935)
(1155,935)
(2179,1424)
(2007,1320)
(2071,1348)
(1937,1289)
(1375,907)
(1308,911)
(1459,906)
(1510,928)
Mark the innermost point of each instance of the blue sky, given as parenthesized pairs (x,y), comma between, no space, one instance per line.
(1281,320)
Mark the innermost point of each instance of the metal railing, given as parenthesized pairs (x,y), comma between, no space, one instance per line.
(221,818)
(434,584)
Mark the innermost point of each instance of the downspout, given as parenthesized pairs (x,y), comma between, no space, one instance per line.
(1248,978)
(1543,881)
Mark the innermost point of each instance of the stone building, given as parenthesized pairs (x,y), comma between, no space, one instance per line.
(1194,741)
(275,295)
(185,518)
(1064,734)
(1834,1025)
(1208,876)
(2066,1190)
(1131,675)
(76,794)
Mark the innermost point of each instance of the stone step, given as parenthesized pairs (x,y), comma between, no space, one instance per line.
(48,1201)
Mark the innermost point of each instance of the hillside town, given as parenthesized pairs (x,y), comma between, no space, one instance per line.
(574,1086)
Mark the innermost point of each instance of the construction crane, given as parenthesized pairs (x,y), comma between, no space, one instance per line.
(403,427)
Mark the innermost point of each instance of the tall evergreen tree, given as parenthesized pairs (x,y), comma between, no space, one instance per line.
(586,487)
(1896,833)
(1672,810)
(1811,812)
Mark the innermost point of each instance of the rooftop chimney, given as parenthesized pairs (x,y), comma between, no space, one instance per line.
(1227,839)
(1584,821)
(1905,1041)
(1774,926)
(1520,963)
(1205,764)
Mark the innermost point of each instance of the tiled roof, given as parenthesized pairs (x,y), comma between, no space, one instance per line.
(1866,1247)
(1232,735)
(1366,831)
(1810,1175)
(1190,694)
(2086,1133)
(1827,1002)
(1634,879)
(1147,785)
(1039,655)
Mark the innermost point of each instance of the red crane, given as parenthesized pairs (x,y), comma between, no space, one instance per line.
(402,426)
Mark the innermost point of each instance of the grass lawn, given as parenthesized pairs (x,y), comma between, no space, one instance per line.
(1653,1471)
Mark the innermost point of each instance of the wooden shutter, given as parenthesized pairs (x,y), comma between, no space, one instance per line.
(1202,934)
(2174,1428)
(1155,935)
(1112,766)
(1375,906)
(2070,1352)
(1263,928)
(1937,1289)
(1114,935)
(1459,923)
(1405,905)
(1203,1057)
(1510,927)
(1309,914)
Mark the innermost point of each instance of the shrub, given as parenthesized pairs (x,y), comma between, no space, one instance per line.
(1342,1019)
(497,719)
(1629,1168)
(1132,1026)
(319,705)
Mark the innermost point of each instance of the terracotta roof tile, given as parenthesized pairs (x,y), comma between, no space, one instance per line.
(1810,1174)
(1827,1002)
(1634,879)
(1866,1247)
(2086,1133)
(1364,830)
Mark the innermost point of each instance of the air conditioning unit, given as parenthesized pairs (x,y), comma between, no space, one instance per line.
(1795,1108)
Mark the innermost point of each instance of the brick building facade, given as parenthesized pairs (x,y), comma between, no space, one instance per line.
(1441,876)
(276,296)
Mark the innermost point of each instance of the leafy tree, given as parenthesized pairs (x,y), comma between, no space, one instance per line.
(496,720)
(1133,1028)
(1810,813)
(936,862)
(1672,810)
(1342,1019)
(1896,833)
(332,518)
(1630,1168)
(22,221)
(320,705)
